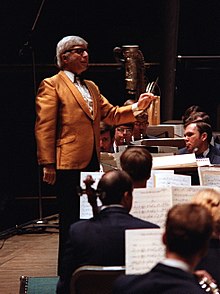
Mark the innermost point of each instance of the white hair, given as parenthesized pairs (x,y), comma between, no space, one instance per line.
(65,44)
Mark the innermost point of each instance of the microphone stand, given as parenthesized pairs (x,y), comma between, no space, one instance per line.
(28,45)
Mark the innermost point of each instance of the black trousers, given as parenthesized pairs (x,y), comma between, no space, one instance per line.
(69,202)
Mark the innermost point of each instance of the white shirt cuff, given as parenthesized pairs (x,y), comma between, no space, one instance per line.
(135,109)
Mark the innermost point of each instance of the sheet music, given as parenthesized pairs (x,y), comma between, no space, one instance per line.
(183,160)
(152,204)
(151,181)
(143,250)
(184,194)
(209,176)
(85,207)
(211,179)
(168,180)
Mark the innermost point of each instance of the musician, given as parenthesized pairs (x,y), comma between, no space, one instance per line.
(203,116)
(101,239)
(137,162)
(197,136)
(190,111)
(140,125)
(187,232)
(123,135)
(68,114)
(210,198)
(106,138)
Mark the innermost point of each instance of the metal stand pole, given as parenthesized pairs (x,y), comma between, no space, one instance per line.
(28,45)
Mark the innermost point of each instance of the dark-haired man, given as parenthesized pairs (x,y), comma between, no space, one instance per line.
(198,135)
(137,162)
(106,137)
(187,232)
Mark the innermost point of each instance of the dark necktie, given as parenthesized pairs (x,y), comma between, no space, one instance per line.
(200,155)
(78,79)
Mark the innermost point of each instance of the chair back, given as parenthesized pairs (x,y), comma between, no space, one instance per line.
(94,279)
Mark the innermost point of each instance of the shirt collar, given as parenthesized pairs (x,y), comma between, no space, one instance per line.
(176,263)
(70,75)
(111,205)
(206,152)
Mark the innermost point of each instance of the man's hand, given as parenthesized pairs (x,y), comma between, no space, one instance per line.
(203,274)
(145,100)
(49,174)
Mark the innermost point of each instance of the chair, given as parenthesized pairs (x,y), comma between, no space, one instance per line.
(94,279)
(38,285)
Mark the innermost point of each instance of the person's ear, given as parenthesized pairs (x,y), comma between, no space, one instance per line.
(64,57)
(127,196)
(164,238)
(204,136)
(127,200)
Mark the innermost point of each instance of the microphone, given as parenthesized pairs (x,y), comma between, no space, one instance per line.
(195,149)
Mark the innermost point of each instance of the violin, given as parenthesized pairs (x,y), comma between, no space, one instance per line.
(90,192)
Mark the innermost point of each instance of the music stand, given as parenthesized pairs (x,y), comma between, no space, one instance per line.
(28,45)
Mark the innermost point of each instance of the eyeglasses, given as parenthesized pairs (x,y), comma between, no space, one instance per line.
(79,51)
(122,130)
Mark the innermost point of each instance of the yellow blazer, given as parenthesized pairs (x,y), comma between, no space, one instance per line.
(65,129)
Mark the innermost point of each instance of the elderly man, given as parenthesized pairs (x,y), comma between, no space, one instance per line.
(68,114)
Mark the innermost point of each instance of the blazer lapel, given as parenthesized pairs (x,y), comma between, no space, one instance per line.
(77,95)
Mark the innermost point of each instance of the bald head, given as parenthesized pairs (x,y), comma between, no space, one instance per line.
(113,185)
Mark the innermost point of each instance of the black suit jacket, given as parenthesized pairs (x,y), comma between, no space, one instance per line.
(162,279)
(213,154)
(98,241)
(211,261)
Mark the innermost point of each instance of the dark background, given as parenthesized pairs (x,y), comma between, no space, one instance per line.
(163,29)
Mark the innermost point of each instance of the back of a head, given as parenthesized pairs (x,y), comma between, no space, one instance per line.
(137,162)
(199,116)
(188,229)
(189,111)
(210,198)
(112,186)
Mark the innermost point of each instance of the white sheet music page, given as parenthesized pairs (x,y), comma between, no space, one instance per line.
(184,194)
(85,207)
(168,180)
(151,181)
(152,204)
(209,175)
(143,250)
(183,160)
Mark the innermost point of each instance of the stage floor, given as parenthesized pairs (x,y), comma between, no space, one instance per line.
(31,252)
